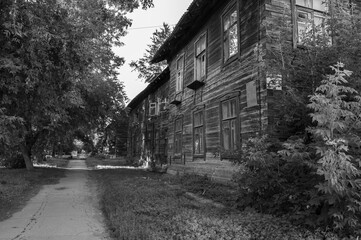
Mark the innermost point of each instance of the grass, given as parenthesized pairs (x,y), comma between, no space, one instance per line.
(58,162)
(17,186)
(143,205)
(93,162)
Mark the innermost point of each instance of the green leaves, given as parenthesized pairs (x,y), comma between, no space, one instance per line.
(143,66)
(336,111)
(57,67)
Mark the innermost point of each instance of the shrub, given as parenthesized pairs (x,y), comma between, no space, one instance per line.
(276,182)
(337,109)
(15,161)
(316,183)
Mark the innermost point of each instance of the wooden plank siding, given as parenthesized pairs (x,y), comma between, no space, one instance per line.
(221,80)
(148,135)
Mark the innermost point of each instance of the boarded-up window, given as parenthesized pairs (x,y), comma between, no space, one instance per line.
(251,94)
(198,140)
(200,58)
(229,125)
(180,73)
(178,136)
(230,33)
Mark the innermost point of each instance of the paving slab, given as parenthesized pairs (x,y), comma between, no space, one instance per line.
(65,211)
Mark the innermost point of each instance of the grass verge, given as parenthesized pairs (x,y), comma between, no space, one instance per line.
(143,205)
(92,162)
(17,186)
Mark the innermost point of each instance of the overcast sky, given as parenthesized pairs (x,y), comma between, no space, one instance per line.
(144,24)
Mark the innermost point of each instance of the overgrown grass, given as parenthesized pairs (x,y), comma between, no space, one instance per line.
(58,162)
(143,205)
(92,162)
(19,185)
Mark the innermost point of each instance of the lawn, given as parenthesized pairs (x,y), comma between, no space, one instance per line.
(17,186)
(143,205)
(93,162)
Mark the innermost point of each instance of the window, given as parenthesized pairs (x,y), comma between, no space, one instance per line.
(180,73)
(163,105)
(198,140)
(230,34)
(310,17)
(251,91)
(200,58)
(178,136)
(152,109)
(229,125)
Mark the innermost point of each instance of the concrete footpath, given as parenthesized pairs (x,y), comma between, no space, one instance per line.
(65,211)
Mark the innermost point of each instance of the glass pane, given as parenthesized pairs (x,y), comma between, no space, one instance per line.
(234,17)
(201,145)
(226,49)
(233,134)
(233,108)
(180,63)
(226,135)
(203,65)
(198,140)
(319,5)
(301,2)
(303,16)
(226,23)
(225,110)
(233,41)
(198,69)
(318,20)
(196,119)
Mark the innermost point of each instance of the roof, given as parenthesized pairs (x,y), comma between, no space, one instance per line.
(154,84)
(192,20)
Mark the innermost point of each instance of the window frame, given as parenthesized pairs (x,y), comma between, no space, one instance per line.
(178,136)
(197,57)
(152,107)
(233,6)
(233,145)
(200,126)
(179,85)
(308,10)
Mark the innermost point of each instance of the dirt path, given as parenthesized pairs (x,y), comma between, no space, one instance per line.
(65,211)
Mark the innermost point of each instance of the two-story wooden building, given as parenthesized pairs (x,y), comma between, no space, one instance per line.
(148,122)
(219,93)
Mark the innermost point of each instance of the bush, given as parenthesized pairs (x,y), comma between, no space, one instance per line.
(275,182)
(318,183)
(14,162)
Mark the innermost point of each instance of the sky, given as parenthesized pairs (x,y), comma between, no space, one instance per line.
(145,22)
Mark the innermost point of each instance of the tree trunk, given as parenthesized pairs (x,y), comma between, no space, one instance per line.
(27,157)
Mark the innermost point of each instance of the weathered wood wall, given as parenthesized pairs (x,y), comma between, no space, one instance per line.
(147,135)
(222,81)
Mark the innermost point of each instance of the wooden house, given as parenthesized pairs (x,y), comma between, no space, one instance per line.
(219,94)
(148,122)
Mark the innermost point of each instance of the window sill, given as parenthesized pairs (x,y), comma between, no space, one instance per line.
(177,99)
(252,107)
(196,84)
(230,60)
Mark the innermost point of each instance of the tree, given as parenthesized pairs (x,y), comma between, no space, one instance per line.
(143,66)
(51,53)
(303,68)
(337,112)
